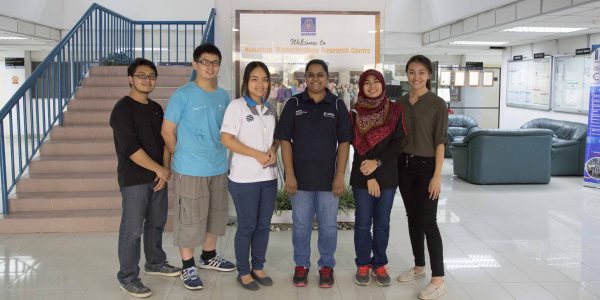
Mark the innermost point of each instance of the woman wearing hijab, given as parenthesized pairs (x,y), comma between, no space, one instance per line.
(378,134)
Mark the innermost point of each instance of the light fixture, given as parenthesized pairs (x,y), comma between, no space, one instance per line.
(13,38)
(477,43)
(234,29)
(544,29)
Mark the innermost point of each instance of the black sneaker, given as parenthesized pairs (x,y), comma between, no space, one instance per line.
(165,270)
(300,275)
(326,277)
(136,289)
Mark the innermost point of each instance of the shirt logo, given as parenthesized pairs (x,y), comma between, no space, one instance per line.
(308,26)
(329,115)
(198,107)
(249,118)
(300,112)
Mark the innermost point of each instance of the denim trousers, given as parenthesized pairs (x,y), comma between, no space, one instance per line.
(372,212)
(144,210)
(414,175)
(305,205)
(254,204)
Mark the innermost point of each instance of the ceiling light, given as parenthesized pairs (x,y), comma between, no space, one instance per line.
(13,38)
(544,29)
(477,43)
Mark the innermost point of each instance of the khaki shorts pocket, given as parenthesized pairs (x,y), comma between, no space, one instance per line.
(189,211)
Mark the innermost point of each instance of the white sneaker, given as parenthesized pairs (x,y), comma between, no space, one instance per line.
(432,291)
(410,275)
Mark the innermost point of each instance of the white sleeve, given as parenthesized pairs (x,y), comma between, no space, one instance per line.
(232,121)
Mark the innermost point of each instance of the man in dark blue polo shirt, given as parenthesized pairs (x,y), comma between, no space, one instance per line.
(315,134)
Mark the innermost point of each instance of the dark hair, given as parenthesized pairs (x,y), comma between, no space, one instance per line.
(317,62)
(249,68)
(206,48)
(140,62)
(421,59)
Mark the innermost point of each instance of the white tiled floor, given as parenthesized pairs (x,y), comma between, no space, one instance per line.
(500,242)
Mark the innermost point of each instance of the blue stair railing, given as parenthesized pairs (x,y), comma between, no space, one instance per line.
(100,37)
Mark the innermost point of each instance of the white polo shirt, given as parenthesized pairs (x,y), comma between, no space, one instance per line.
(254,128)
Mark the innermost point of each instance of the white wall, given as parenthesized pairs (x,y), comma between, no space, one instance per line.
(45,12)
(142,10)
(514,117)
(436,13)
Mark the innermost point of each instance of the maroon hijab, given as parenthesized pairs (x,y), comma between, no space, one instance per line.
(376,118)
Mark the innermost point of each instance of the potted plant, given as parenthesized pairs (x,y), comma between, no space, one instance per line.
(283,208)
(116,59)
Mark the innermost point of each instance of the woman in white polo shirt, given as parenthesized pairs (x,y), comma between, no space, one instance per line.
(247,131)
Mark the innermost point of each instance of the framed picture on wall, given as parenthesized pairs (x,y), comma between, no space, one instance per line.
(445,77)
(459,78)
(473,78)
(488,79)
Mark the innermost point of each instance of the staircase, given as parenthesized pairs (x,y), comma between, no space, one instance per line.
(72,184)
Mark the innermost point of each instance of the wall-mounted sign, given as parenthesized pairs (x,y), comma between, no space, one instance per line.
(539,55)
(14,62)
(583,51)
(518,57)
(474,65)
(286,40)
(15,79)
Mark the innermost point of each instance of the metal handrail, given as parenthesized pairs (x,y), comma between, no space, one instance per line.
(101,36)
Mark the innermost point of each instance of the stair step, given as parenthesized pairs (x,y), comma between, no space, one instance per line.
(81,132)
(28,201)
(76,118)
(118,92)
(121,81)
(122,70)
(68,182)
(78,147)
(97,220)
(74,164)
(91,104)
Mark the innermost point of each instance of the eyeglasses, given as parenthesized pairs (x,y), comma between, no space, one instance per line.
(143,76)
(206,62)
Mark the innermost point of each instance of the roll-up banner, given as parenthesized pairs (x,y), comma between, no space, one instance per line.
(591,173)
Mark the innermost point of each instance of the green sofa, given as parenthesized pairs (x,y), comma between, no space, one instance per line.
(501,156)
(568,145)
(459,126)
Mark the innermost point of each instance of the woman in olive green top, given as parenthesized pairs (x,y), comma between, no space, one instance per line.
(419,173)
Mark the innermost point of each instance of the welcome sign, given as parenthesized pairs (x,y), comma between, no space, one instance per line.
(286,40)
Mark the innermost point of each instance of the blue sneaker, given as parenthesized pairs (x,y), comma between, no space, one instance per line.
(217,263)
(190,279)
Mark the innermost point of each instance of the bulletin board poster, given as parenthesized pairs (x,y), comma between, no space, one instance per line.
(591,173)
(571,83)
(529,83)
(349,42)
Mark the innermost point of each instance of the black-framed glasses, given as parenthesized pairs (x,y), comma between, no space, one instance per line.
(208,63)
(143,76)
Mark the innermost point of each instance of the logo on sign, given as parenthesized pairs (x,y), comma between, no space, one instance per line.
(308,26)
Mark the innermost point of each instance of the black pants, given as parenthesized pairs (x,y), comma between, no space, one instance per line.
(414,174)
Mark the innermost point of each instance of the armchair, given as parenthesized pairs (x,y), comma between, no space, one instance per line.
(459,126)
(568,145)
(498,156)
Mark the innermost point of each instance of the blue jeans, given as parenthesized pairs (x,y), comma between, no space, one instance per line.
(143,210)
(254,205)
(375,212)
(305,204)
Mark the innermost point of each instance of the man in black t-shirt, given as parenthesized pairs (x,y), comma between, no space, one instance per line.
(143,171)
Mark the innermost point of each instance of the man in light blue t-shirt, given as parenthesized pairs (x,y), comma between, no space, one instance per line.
(191,130)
